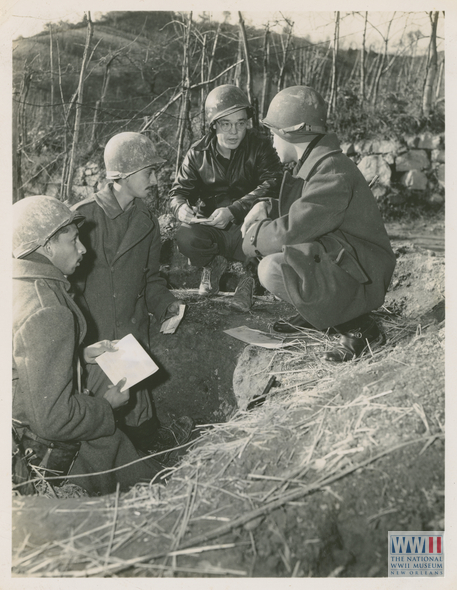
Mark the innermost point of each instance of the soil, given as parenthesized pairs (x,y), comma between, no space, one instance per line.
(339,530)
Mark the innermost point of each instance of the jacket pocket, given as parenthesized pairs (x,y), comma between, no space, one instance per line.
(339,255)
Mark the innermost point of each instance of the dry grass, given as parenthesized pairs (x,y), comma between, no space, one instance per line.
(303,439)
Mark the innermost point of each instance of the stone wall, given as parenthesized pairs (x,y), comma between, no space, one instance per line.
(413,165)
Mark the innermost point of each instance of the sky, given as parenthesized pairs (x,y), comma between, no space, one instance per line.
(26,17)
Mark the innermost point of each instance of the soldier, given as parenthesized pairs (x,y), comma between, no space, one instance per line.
(51,415)
(323,245)
(119,283)
(222,176)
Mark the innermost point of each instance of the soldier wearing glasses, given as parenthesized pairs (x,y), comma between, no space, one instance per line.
(222,176)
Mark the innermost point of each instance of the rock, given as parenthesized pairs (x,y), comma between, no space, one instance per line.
(379,190)
(424,141)
(435,199)
(92,180)
(396,198)
(439,171)
(438,155)
(389,158)
(386,146)
(375,165)
(348,149)
(251,374)
(415,180)
(427,141)
(365,146)
(413,160)
(82,192)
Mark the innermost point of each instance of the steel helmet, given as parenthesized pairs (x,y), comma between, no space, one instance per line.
(36,219)
(296,111)
(225,100)
(129,152)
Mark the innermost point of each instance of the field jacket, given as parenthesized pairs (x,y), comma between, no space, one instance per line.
(48,329)
(254,172)
(338,261)
(116,295)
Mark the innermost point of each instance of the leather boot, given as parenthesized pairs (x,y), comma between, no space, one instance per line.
(244,294)
(353,340)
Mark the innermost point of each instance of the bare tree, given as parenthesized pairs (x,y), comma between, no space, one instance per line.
(51,62)
(79,105)
(432,67)
(246,57)
(184,121)
(362,60)
(237,80)
(266,72)
(333,88)
(285,49)
(380,69)
(202,90)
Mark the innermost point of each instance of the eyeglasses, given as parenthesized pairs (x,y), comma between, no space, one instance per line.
(228,125)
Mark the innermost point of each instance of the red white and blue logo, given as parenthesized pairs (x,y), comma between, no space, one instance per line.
(409,544)
(416,553)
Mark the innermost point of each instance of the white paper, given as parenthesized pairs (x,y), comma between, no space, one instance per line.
(129,360)
(169,326)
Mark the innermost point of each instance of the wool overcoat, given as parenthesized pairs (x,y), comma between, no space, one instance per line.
(116,294)
(337,258)
(48,328)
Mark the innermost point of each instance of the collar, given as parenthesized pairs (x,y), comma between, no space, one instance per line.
(327,145)
(108,202)
(36,266)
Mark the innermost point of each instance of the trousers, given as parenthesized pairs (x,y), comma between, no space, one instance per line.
(202,243)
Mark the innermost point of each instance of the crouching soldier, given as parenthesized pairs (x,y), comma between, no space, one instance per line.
(324,246)
(222,176)
(119,284)
(51,415)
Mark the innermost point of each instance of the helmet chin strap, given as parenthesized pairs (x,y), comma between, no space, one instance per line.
(312,144)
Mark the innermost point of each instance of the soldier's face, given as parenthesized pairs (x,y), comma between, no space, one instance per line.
(140,183)
(286,150)
(66,251)
(230,130)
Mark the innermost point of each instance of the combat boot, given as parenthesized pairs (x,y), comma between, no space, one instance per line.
(211,276)
(244,294)
(355,337)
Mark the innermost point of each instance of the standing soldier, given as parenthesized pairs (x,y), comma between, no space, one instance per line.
(324,246)
(222,176)
(119,283)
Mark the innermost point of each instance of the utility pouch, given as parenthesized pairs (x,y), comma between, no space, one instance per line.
(49,458)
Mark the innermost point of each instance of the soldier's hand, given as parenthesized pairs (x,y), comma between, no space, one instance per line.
(220,218)
(92,351)
(173,309)
(257,213)
(185,214)
(115,397)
